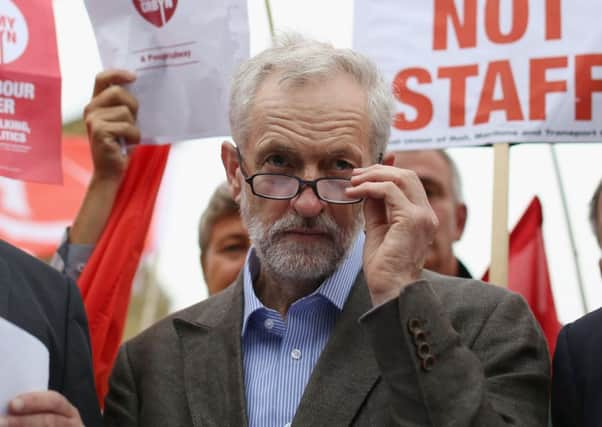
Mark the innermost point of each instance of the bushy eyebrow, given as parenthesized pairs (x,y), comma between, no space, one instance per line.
(290,149)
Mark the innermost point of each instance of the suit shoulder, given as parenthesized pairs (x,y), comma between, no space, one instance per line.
(208,313)
(586,329)
(450,288)
(587,321)
(473,302)
(32,272)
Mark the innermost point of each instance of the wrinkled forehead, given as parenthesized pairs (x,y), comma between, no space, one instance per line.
(427,163)
(327,110)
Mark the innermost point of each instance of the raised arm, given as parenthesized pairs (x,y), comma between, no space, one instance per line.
(110,117)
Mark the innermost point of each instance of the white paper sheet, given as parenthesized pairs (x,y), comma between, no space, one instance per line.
(24,363)
(184,53)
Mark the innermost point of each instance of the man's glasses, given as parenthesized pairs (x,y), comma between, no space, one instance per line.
(277,186)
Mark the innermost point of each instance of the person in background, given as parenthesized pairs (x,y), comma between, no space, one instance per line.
(39,300)
(577,375)
(334,321)
(223,240)
(441,180)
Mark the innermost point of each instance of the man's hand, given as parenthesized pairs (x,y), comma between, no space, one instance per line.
(44,408)
(400,226)
(111,116)
(110,119)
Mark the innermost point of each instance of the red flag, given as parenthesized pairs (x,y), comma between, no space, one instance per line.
(528,270)
(106,282)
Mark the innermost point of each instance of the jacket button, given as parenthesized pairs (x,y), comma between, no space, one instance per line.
(424,350)
(414,325)
(428,362)
(419,336)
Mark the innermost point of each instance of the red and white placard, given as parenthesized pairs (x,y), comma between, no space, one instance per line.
(33,216)
(30,92)
(183,52)
(470,72)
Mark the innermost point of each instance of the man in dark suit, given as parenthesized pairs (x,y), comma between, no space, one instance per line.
(577,378)
(333,320)
(38,299)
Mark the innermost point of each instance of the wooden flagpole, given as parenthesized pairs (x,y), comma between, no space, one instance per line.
(498,273)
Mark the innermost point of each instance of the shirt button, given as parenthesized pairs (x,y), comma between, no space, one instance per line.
(287,425)
(296,354)
(269,323)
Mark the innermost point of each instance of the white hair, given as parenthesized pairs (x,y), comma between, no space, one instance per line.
(298,60)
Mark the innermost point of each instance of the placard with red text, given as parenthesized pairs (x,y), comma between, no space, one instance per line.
(183,53)
(30,92)
(471,72)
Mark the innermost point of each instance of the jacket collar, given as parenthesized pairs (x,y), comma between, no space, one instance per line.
(213,371)
(212,359)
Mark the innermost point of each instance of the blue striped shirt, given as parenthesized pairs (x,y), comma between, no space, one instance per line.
(279,354)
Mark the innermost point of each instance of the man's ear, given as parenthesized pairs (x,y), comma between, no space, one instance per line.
(231,163)
(461,216)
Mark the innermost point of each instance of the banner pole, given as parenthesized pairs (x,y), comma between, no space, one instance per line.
(268,10)
(499,234)
(569,226)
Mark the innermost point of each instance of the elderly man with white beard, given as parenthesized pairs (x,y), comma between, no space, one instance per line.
(333,320)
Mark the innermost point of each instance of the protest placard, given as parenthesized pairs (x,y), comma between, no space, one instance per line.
(470,72)
(30,92)
(183,53)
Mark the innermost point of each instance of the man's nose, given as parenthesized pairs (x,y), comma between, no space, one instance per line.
(307,203)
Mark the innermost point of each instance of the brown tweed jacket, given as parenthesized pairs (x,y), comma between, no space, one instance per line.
(447,352)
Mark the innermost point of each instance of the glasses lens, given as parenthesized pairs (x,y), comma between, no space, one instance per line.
(276,186)
(333,190)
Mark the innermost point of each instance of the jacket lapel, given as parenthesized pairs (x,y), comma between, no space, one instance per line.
(211,353)
(346,371)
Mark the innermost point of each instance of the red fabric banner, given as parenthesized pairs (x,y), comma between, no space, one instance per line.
(528,270)
(106,282)
(30,92)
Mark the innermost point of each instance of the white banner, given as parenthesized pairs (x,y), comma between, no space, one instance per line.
(471,72)
(184,53)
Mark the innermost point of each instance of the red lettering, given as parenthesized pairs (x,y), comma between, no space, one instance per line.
(422,104)
(553,20)
(539,87)
(466,31)
(585,84)
(520,19)
(509,103)
(457,90)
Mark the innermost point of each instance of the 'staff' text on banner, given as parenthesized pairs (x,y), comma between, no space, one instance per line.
(470,72)
(183,53)
(30,92)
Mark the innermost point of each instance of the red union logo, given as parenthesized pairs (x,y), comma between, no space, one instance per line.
(14,34)
(157,12)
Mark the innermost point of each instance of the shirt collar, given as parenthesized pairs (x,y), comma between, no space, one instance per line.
(335,288)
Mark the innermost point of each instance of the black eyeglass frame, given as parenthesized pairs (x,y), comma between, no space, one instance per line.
(313,184)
